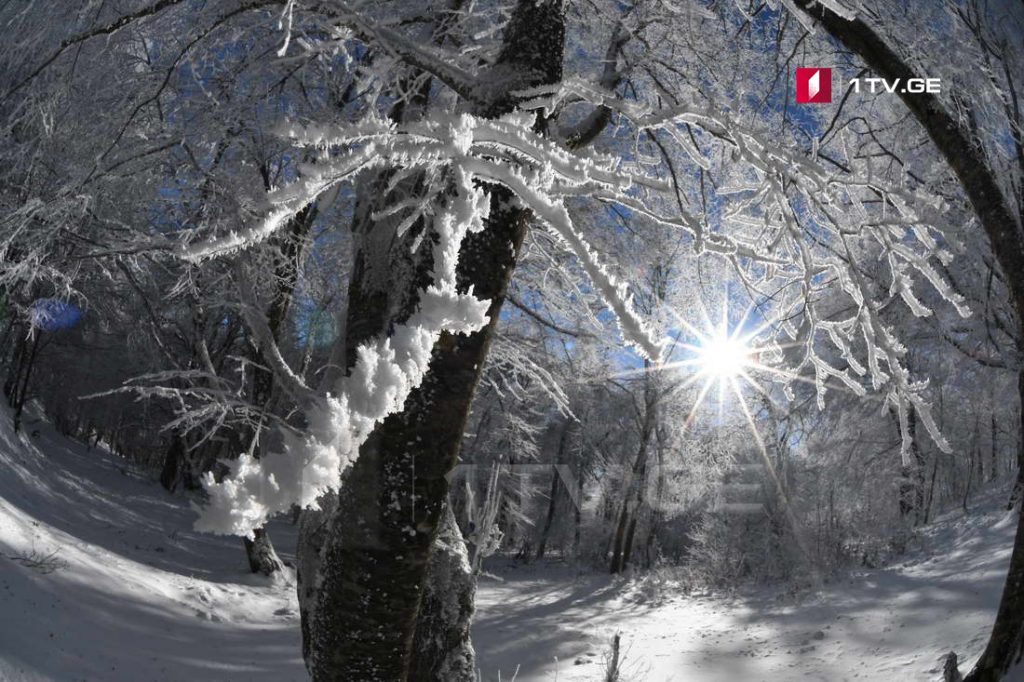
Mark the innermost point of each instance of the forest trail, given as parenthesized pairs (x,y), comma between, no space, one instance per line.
(885,625)
(102,579)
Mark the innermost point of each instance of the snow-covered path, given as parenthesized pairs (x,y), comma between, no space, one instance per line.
(885,625)
(127,591)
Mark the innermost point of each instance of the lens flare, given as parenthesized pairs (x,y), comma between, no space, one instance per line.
(722,357)
(731,361)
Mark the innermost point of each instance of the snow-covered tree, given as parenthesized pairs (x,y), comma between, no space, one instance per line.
(439,139)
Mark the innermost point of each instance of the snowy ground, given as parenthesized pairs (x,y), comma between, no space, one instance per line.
(131,592)
(887,625)
(102,578)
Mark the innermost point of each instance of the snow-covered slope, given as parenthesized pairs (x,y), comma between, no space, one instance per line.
(888,625)
(102,579)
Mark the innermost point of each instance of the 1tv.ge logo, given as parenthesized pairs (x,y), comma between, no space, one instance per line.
(814,85)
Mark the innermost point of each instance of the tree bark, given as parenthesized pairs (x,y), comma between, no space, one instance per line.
(378,544)
(262,557)
(442,649)
(308,556)
(377,552)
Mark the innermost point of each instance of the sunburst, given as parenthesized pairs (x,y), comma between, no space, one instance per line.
(731,358)
(722,355)
(722,358)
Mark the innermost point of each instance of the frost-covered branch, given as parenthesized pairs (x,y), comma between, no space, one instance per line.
(440,66)
(387,369)
(264,337)
(491,150)
(504,151)
(790,221)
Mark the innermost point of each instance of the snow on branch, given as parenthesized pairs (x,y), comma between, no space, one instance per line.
(438,65)
(264,337)
(284,204)
(797,227)
(635,332)
(505,151)
(509,145)
(387,369)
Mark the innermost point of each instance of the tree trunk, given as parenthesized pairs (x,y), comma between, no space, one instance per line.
(174,460)
(577,517)
(549,519)
(931,492)
(308,556)
(994,441)
(950,671)
(619,538)
(627,549)
(552,497)
(626,525)
(262,557)
(656,518)
(441,647)
(1005,647)
(1006,644)
(1003,226)
(378,542)
(911,485)
(21,388)
(14,368)
(973,455)
(1017,495)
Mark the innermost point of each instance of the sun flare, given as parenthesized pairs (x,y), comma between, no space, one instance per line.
(721,356)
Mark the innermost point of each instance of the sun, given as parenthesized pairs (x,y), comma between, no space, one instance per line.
(723,356)
(727,355)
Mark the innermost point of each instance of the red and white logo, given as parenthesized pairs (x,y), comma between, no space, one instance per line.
(813,86)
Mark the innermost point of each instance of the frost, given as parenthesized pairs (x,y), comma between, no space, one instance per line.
(386,371)
(772,186)
(538,172)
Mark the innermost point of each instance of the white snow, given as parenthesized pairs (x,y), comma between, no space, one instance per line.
(883,625)
(132,593)
(387,370)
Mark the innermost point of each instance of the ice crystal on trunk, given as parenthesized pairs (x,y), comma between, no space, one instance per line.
(386,371)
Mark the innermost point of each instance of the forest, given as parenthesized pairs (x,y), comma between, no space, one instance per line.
(479,340)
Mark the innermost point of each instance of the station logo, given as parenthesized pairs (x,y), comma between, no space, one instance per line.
(813,86)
